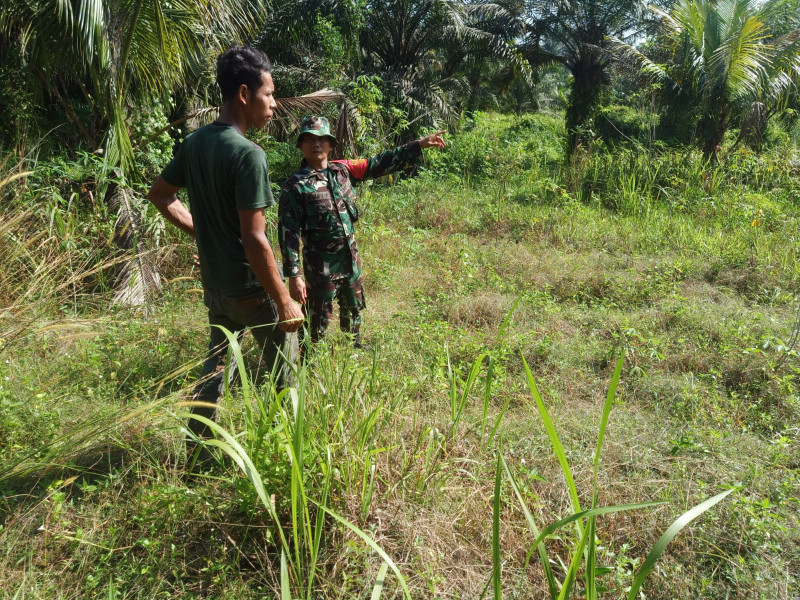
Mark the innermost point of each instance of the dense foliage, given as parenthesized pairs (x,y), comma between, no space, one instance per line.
(402,64)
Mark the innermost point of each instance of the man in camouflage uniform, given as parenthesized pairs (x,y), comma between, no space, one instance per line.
(317,206)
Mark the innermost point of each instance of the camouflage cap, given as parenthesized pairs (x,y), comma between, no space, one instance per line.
(318,126)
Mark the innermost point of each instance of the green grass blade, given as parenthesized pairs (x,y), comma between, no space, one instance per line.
(552,584)
(377,589)
(591,588)
(320,516)
(497,422)
(612,392)
(496,567)
(558,449)
(319,523)
(487,395)
(507,319)
(232,448)
(591,557)
(285,593)
(487,586)
(300,515)
(451,377)
(574,565)
(298,499)
(667,537)
(236,349)
(462,402)
(371,543)
(593,512)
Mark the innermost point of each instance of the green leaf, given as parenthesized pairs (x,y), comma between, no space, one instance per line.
(558,449)
(507,319)
(496,566)
(609,403)
(574,565)
(371,543)
(379,580)
(285,593)
(591,513)
(667,537)
(552,584)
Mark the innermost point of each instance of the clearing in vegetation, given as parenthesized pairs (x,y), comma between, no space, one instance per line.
(495,266)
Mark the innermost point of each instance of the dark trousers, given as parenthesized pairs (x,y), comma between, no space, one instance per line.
(236,310)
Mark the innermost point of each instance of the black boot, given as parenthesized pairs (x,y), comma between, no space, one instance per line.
(359,345)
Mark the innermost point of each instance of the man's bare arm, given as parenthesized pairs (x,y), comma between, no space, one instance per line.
(164,198)
(262,261)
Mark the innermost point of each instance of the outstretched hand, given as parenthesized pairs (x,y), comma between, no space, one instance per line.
(434,139)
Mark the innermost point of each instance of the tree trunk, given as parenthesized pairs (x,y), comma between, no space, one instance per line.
(712,131)
(584,98)
(52,86)
(754,126)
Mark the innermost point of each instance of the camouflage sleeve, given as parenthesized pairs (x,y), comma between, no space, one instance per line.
(403,157)
(289,222)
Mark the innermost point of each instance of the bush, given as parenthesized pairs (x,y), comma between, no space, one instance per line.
(491,146)
(618,122)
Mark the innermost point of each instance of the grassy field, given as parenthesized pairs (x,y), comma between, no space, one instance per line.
(496,252)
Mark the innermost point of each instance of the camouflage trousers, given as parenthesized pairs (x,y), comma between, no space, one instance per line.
(321,294)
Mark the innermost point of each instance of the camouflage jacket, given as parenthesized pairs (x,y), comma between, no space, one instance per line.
(318,207)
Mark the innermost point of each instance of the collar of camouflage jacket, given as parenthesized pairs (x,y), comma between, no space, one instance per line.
(307,171)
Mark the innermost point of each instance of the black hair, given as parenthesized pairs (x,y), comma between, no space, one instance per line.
(241,65)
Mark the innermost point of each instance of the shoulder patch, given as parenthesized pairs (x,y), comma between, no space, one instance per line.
(357,167)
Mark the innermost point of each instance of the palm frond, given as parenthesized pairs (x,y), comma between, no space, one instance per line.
(288,109)
(741,61)
(137,278)
(628,54)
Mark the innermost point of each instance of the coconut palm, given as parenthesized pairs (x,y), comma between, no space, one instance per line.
(431,57)
(114,55)
(722,59)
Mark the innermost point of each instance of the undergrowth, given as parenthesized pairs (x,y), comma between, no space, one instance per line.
(495,266)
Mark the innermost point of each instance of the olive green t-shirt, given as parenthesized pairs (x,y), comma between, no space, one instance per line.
(223,173)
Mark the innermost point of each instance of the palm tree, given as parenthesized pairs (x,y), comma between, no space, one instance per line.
(430,57)
(114,55)
(722,59)
(313,43)
(574,33)
(420,49)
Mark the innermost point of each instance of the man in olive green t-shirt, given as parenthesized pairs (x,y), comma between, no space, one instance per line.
(227,181)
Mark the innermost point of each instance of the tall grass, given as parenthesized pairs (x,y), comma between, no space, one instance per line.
(584,552)
(284,417)
(347,477)
(284,420)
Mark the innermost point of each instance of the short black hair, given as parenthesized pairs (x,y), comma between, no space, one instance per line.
(241,65)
